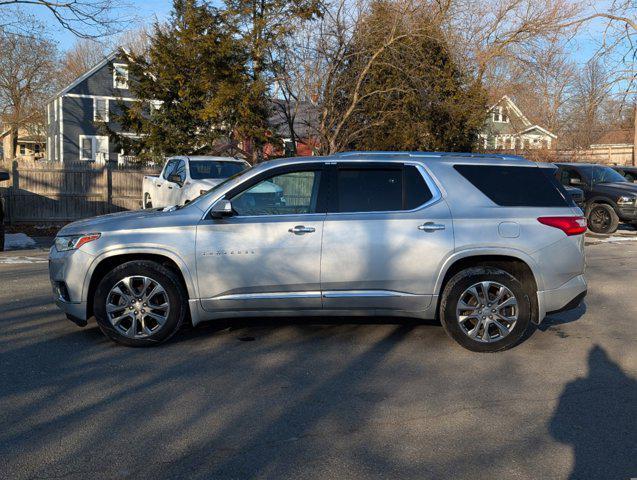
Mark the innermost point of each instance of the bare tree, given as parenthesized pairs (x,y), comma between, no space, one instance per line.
(544,78)
(27,70)
(617,50)
(591,92)
(81,57)
(491,30)
(84,18)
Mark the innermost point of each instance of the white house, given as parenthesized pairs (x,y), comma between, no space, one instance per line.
(507,128)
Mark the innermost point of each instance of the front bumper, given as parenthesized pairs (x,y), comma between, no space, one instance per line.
(567,296)
(67,272)
(627,213)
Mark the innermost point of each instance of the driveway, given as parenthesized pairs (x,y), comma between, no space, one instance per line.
(316,398)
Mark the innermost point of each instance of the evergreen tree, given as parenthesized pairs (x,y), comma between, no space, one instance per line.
(194,86)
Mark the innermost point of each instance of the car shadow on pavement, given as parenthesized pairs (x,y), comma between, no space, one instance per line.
(562,318)
(596,415)
(247,327)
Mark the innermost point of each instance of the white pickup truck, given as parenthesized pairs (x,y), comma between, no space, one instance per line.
(185,178)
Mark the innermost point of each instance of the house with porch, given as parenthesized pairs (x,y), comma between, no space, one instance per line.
(507,128)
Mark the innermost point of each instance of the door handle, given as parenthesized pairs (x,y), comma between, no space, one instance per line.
(431,227)
(301,229)
(170,187)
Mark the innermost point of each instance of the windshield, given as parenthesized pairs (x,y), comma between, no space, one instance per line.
(606,175)
(202,169)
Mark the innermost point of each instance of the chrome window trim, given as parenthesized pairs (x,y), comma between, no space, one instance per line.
(431,183)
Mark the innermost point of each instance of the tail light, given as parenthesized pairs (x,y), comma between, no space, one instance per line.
(569,225)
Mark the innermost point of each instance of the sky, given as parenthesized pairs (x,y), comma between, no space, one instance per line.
(146,11)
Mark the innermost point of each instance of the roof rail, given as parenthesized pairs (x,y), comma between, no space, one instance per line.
(429,155)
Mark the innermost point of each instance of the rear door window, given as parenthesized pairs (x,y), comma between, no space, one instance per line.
(380,188)
(509,186)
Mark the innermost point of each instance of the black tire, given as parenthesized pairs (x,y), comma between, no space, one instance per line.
(462,281)
(601,218)
(148,203)
(175,292)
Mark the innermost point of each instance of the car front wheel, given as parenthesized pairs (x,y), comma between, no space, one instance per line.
(140,303)
(485,309)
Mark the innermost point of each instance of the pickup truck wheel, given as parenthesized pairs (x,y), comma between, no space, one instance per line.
(485,309)
(602,219)
(147,201)
(140,304)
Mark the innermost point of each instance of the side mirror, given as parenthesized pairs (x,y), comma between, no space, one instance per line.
(175,178)
(223,208)
(4,176)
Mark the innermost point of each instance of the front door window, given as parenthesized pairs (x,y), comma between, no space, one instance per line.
(289,193)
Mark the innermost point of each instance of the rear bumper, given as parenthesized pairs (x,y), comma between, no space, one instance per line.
(566,297)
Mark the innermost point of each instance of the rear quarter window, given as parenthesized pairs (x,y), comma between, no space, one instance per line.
(514,186)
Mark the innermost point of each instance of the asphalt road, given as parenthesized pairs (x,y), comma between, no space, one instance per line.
(316,398)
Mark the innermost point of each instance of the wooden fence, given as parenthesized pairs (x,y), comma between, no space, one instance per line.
(619,154)
(52,193)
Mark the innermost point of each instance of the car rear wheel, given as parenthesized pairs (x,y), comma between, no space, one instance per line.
(602,219)
(140,304)
(148,203)
(485,309)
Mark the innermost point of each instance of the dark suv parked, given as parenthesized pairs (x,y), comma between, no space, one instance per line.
(609,197)
(3,176)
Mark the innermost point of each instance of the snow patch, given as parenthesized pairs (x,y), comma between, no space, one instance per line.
(18,240)
(616,239)
(22,260)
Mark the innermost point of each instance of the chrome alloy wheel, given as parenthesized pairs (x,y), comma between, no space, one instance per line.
(487,311)
(137,306)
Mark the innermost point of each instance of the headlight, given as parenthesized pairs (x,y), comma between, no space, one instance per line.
(73,242)
(626,200)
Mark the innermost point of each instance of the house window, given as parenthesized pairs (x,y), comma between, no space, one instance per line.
(499,115)
(120,76)
(94,148)
(100,109)
(86,148)
(23,149)
(155,105)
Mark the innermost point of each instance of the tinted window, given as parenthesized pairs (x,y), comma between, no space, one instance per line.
(513,186)
(553,175)
(370,190)
(381,189)
(201,169)
(606,175)
(289,193)
(416,190)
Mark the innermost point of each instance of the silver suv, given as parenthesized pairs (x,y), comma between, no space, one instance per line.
(487,244)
